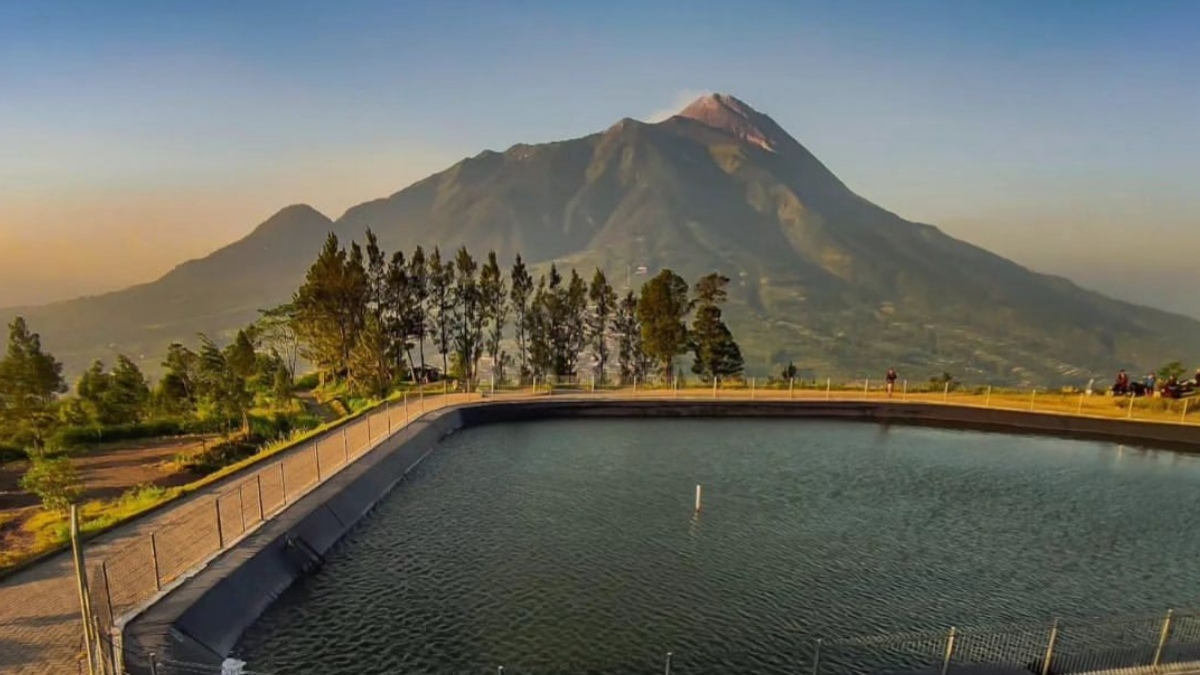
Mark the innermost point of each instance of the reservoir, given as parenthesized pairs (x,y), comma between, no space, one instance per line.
(574,546)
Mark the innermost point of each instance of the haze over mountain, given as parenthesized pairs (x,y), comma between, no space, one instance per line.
(822,276)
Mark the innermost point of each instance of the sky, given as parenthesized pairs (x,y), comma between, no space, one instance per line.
(138,134)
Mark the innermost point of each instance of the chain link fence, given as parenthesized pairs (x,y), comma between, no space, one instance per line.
(1170,642)
(147,565)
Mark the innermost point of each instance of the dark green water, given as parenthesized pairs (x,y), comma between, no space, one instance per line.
(573,547)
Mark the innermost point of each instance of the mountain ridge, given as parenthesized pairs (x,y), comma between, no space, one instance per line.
(822,275)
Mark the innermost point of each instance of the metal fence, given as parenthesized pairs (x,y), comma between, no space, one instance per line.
(149,563)
(1164,643)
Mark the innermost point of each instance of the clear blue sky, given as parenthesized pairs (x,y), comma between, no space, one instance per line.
(1063,134)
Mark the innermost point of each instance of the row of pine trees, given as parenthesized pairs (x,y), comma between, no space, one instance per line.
(366,318)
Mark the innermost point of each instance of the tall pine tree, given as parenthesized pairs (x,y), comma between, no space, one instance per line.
(30,381)
(716,353)
(599,321)
(520,295)
(661,311)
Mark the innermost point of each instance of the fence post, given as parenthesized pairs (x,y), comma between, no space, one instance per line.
(220,531)
(258,481)
(791,388)
(154,559)
(752,389)
(1080,410)
(107,591)
(828,386)
(866,388)
(714,387)
(283,481)
(904,391)
(816,657)
(317,453)
(1050,648)
(946,392)
(987,401)
(1130,414)
(949,651)
(1183,415)
(77,558)
(1162,637)
(1032,398)
(421,394)
(635,386)
(387,410)
(668,671)
(242,504)
(369,436)
(345,447)
(406,408)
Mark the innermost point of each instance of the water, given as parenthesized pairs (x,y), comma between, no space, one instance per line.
(572,546)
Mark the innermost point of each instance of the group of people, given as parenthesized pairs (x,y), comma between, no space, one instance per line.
(1149,386)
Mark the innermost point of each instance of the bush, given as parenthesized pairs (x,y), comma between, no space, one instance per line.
(306,382)
(82,436)
(55,481)
(11,453)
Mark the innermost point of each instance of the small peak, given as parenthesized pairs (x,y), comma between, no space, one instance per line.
(291,218)
(734,116)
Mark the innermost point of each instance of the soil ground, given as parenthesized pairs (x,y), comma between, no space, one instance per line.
(107,471)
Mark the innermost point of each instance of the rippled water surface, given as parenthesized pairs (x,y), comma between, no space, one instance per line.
(573,546)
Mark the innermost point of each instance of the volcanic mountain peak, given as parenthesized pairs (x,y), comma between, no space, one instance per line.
(731,114)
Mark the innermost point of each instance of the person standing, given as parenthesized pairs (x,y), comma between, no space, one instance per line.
(891,381)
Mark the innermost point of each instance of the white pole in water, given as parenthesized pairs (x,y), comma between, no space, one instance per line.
(697,497)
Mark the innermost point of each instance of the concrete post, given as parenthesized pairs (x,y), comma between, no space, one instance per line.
(1162,638)
(714,387)
(1079,411)
(866,388)
(1130,413)
(752,389)
(987,401)
(946,393)
(791,388)
(1032,398)
(949,651)
(828,388)
(1050,648)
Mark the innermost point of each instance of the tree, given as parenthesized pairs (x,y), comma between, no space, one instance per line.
(492,293)
(220,385)
(538,326)
(716,353)
(281,386)
(330,307)
(275,328)
(128,396)
(520,294)
(631,358)
(178,389)
(400,319)
(55,481)
(789,372)
(1172,369)
(441,304)
(418,299)
(373,353)
(242,358)
(468,318)
(30,380)
(661,310)
(599,319)
(572,324)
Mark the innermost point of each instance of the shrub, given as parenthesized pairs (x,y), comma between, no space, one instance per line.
(55,481)
(11,453)
(306,382)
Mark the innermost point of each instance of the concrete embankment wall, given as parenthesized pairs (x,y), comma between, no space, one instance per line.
(202,619)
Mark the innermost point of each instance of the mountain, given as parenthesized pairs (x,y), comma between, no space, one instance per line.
(822,276)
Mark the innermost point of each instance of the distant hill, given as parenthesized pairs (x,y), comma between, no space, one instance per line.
(822,276)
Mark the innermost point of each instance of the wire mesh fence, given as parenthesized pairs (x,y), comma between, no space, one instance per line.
(147,564)
(1170,642)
